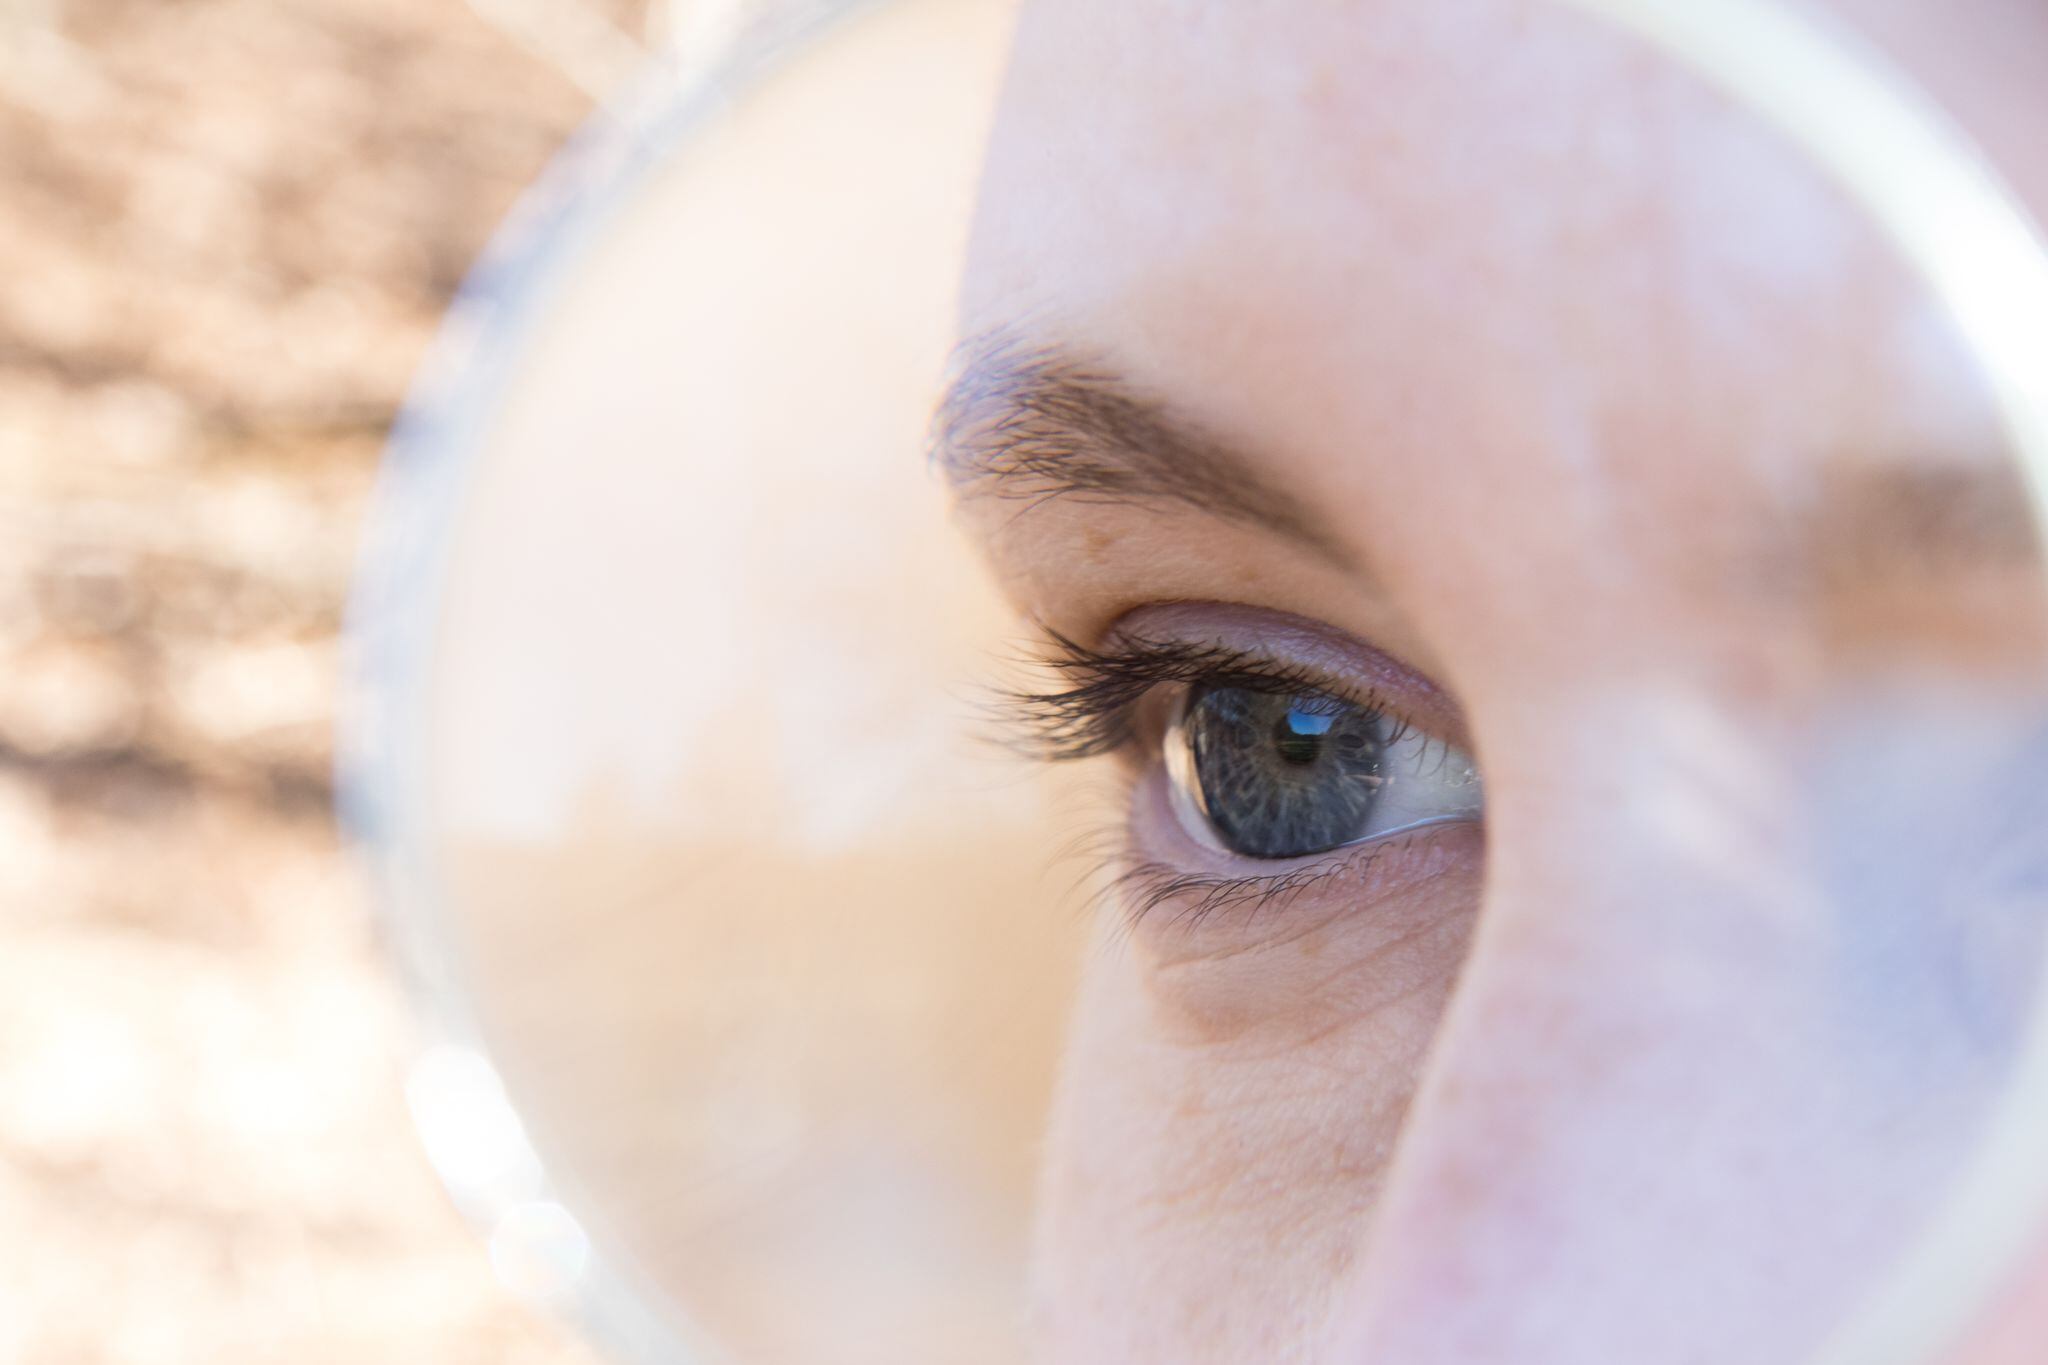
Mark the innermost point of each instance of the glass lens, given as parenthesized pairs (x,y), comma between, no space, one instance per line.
(1581,428)
(713,856)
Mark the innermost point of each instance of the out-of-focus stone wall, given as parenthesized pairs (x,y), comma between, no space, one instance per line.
(226,230)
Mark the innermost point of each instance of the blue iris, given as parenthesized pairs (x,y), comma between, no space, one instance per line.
(1284,774)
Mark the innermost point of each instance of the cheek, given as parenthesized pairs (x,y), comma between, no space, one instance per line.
(1720,1002)
(2017,1325)
(1230,1103)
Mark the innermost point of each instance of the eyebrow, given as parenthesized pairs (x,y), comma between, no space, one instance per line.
(1920,516)
(1037,423)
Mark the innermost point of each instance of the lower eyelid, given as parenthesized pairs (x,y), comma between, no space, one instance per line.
(1174,882)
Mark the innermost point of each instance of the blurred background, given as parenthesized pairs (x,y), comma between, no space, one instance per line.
(227,229)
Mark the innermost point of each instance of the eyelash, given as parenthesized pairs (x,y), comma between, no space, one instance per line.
(1141,886)
(1095,713)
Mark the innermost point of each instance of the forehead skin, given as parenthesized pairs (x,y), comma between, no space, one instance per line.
(1568,354)
(1380,244)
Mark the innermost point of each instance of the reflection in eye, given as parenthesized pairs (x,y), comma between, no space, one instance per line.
(1282,774)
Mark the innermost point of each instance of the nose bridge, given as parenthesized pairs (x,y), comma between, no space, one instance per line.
(1654,1125)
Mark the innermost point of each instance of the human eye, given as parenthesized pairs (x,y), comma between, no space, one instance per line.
(1279,751)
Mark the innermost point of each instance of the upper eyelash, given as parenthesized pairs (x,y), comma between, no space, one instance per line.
(1093,714)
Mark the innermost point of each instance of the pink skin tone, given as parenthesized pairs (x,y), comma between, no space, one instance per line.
(1578,366)
(2013,1331)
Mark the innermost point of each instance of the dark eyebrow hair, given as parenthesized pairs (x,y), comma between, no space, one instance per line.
(1035,423)
(1919,516)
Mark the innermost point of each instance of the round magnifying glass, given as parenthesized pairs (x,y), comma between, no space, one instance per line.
(1195,682)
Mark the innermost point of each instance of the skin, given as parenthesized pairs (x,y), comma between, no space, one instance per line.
(1595,432)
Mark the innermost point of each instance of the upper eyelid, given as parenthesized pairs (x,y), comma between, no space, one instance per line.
(1092,716)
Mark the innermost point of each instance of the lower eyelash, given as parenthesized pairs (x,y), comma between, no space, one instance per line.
(1122,876)
(1140,887)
